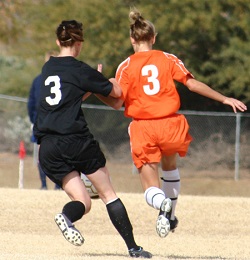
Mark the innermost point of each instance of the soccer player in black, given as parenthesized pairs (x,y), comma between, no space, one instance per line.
(66,145)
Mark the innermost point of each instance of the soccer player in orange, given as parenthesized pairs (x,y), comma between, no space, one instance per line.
(157,132)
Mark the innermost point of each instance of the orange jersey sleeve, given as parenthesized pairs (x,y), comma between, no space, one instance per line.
(147,81)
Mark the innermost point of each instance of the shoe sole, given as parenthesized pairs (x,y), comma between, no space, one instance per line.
(71,234)
(162,226)
(162,223)
(166,205)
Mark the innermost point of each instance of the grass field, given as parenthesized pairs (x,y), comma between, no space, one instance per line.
(213,213)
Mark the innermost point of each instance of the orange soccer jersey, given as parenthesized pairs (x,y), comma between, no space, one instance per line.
(147,81)
(151,99)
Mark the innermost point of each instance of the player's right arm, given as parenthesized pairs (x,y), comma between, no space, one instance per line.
(116,91)
(113,99)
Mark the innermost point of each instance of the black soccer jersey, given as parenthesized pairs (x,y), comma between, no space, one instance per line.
(64,82)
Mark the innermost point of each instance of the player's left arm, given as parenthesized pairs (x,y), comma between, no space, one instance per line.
(204,90)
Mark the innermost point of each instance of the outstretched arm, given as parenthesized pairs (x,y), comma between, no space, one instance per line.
(204,90)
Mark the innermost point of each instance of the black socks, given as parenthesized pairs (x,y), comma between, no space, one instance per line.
(74,210)
(119,217)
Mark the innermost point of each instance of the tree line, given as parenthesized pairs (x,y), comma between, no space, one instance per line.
(210,37)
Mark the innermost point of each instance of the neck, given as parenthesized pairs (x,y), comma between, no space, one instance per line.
(66,52)
(142,46)
(73,51)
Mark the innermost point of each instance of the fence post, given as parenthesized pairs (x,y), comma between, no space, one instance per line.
(237,146)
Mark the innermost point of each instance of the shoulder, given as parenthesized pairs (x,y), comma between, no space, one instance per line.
(124,64)
(173,59)
(170,56)
(86,66)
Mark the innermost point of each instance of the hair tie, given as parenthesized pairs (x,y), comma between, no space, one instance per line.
(67,40)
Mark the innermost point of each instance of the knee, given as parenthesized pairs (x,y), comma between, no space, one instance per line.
(87,203)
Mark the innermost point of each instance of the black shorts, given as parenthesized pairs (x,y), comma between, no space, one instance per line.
(60,155)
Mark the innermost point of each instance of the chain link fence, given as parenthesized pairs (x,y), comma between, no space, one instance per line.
(220,140)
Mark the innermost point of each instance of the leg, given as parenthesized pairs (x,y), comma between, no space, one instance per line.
(74,210)
(171,184)
(168,163)
(155,197)
(149,177)
(101,180)
(75,189)
(117,211)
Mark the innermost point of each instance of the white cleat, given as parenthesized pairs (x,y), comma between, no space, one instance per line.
(162,223)
(68,230)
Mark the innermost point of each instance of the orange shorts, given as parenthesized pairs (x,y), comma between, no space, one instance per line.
(150,139)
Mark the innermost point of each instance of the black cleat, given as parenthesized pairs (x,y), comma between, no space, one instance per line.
(173,224)
(139,253)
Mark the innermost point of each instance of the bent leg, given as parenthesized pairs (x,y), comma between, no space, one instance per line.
(149,175)
(73,210)
(80,203)
(150,182)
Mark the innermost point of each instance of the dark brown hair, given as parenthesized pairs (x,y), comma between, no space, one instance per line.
(69,32)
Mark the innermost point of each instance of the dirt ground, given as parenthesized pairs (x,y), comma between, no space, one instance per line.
(213,213)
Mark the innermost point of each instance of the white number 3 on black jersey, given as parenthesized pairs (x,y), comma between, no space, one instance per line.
(56,90)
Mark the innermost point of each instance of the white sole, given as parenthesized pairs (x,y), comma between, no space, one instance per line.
(166,205)
(162,223)
(162,226)
(71,234)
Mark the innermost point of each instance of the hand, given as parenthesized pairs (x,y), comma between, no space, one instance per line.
(99,67)
(235,104)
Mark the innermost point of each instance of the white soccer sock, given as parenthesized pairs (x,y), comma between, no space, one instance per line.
(154,197)
(171,186)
